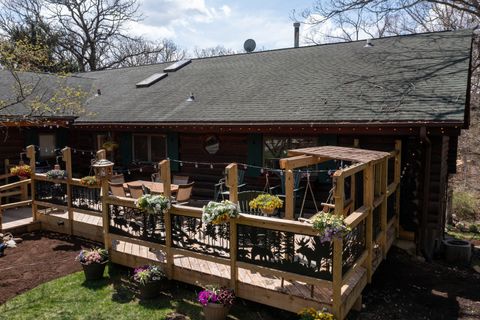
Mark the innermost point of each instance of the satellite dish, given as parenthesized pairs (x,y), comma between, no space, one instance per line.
(249,45)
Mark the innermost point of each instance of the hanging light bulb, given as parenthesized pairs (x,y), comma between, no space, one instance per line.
(196,165)
(211,166)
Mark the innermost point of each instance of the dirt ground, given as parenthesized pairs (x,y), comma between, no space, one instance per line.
(403,287)
(40,258)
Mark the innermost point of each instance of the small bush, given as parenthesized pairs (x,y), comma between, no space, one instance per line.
(473,228)
(464,205)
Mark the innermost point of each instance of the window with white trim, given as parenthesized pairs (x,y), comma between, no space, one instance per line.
(149,148)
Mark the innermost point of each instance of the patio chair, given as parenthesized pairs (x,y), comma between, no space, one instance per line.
(117,189)
(184,193)
(135,191)
(180,179)
(118,178)
(221,190)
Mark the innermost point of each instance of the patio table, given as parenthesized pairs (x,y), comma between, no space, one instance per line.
(155,187)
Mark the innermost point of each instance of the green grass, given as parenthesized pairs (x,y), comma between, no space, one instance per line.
(71,297)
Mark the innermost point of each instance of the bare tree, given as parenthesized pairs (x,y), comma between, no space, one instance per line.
(212,52)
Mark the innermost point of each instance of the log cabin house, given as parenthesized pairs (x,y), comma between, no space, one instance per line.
(251,108)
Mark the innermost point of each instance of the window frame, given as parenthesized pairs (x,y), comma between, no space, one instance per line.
(149,145)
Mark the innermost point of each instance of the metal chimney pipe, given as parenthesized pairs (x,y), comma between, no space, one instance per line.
(296,34)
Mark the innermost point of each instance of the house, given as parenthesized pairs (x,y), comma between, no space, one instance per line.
(250,108)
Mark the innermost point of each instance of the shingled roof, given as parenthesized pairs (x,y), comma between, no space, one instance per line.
(415,78)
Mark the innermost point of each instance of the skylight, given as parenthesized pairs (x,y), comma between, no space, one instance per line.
(177,65)
(151,80)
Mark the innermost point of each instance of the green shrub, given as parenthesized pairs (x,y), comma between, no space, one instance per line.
(473,228)
(464,205)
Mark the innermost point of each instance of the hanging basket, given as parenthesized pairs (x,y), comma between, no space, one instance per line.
(214,311)
(268,211)
(94,271)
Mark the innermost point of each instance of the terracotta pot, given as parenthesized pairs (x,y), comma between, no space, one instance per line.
(214,311)
(94,271)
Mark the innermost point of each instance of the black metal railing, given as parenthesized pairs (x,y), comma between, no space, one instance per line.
(285,251)
(136,223)
(354,244)
(190,233)
(86,198)
(51,192)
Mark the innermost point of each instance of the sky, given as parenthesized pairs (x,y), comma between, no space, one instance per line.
(208,23)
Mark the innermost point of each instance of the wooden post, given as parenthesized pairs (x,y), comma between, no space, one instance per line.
(101,154)
(383,206)
(339,192)
(67,158)
(164,171)
(337,277)
(31,157)
(397,178)
(232,181)
(368,195)
(289,200)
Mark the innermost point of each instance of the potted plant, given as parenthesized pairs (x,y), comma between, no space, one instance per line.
(216,302)
(110,145)
(56,174)
(153,204)
(219,212)
(89,181)
(313,314)
(149,280)
(21,171)
(93,262)
(267,203)
(329,226)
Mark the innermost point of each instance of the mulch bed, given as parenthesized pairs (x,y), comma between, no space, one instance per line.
(403,286)
(41,257)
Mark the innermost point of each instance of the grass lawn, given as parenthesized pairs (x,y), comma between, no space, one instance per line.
(71,297)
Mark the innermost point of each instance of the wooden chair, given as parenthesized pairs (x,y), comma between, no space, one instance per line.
(135,191)
(117,189)
(180,179)
(184,193)
(118,178)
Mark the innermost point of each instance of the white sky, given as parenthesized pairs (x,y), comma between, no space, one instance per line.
(208,23)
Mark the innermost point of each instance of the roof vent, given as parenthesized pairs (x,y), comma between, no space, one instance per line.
(191,98)
(151,80)
(177,65)
(369,43)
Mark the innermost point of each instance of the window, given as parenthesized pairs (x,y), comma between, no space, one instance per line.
(47,145)
(149,148)
(275,148)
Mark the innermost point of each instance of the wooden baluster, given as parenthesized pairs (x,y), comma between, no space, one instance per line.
(102,154)
(67,158)
(31,157)
(165,177)
(232,183)
(368,195)
(398,172)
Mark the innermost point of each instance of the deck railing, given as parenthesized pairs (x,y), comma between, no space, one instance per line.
(282,248)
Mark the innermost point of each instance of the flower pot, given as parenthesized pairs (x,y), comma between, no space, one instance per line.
(268,211)
(151,289)
(214,311)
(94,271)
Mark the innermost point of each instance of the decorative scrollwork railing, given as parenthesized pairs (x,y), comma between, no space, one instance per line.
(135,223)
(51,192)
(190,233)
(285,251)
(354,245)
(86,198)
